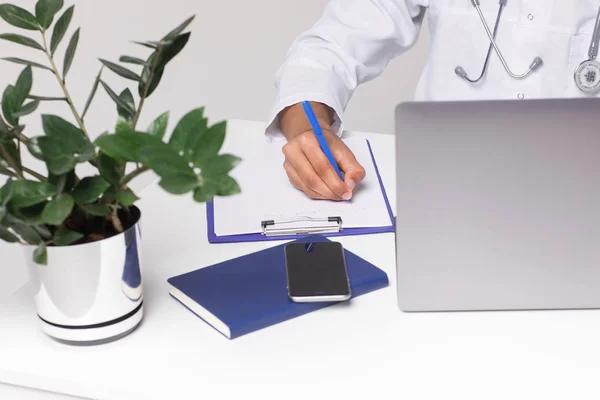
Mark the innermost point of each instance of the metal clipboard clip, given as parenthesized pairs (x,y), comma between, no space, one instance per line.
(301,226)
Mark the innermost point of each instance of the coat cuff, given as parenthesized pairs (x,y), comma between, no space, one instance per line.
(297,84)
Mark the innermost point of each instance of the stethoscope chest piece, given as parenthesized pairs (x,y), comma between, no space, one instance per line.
(587,76)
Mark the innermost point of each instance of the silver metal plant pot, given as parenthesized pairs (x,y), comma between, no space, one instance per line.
(90,293)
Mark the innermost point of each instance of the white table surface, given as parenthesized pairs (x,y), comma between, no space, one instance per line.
(369,349)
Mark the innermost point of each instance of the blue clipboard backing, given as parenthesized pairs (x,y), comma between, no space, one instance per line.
(259,237)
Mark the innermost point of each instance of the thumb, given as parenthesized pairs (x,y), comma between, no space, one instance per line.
(354,173)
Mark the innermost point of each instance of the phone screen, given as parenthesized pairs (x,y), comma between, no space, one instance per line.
(316,269)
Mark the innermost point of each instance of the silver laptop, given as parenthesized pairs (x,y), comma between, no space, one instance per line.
(498,205)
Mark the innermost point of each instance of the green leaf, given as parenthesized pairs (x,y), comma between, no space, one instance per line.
(126,197)
(29,216)
(122,126)
(127,97)
(28,233)
(63,183)
(156,78)
(2,213)
(7,236)
(207,145)
(227,186)
(64,236)
(16,16)
(58,210)
(120,102)
(165,162)
(11,149)
(109,169)
(3,128)
(34,148)
(206,192)
(6,192)
(64,145)
(152,44)
(191,126)
(121,71)
(90,189)
(26,62)
(59,159)
(132,60)
(23,86)
(118,147)
(219,165)
(40,255)
(166,55)
(173,49)
(27,193)
(175,32)
(158,128)
(127,144)
(55,126)
(179,184)
(8,133)
(23,40)
(98,210)
(15,132)
(60,28)
(60,181)
(93,92)
(27,109)
(70,53)
(45,10)
(9,104)
(43,231)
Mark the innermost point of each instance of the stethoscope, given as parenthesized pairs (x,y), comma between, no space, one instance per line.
(586,76)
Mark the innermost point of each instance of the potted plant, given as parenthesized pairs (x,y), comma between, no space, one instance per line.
(81,234)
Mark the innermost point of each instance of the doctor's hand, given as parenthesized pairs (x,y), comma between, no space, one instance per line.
(305,163)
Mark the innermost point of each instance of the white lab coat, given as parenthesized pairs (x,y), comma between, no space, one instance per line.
(354,40)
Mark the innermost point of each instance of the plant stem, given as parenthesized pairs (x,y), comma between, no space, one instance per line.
(34,174)
(147,87)
(138,112)
(11,162)
(42,98)
(133,174)
(61,82)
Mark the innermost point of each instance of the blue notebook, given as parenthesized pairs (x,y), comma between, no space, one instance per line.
(248,293)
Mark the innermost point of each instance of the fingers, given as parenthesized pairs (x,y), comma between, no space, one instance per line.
(310,171)
(324,170)
(298,184)
(304,173)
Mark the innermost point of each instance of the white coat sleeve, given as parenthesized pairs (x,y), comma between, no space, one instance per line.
(352,43)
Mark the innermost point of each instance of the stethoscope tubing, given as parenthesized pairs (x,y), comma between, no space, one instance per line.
(490,48)
(535,64)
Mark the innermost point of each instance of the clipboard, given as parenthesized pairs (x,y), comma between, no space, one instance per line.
(296,228)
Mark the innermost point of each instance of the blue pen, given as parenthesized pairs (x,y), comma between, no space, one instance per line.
(319,134)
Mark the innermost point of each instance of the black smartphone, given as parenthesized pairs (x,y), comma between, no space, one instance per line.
(317,272)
